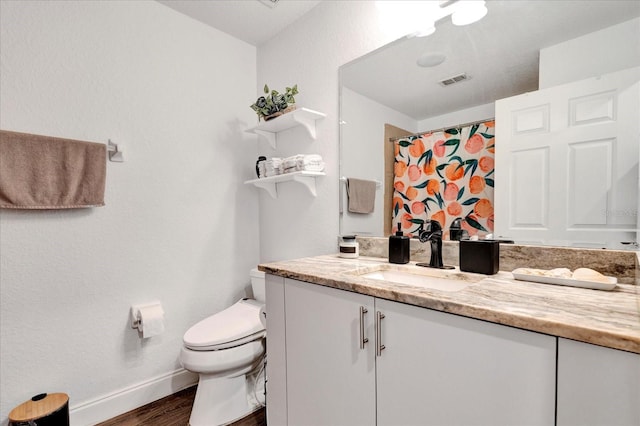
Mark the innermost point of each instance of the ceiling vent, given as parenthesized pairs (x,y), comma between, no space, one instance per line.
(270,3)
(453,80)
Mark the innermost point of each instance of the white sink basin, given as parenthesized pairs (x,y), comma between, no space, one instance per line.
(433,279)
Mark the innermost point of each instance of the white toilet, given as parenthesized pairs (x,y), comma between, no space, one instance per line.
(223,348)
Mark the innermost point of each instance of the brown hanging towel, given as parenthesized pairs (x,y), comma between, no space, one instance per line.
(361,195)
(42,172)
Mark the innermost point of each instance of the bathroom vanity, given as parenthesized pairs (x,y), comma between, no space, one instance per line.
(347,347)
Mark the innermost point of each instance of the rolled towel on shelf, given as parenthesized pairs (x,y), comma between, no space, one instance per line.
(311,159)
(272,166)
(290,164)
(302,162)
(312,163)
(314,167)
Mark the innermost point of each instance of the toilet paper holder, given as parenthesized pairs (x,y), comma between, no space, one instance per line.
(136,317)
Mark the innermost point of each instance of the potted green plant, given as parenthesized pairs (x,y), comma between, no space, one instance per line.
(274,104)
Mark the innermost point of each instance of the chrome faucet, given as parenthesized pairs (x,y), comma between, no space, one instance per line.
(432,232)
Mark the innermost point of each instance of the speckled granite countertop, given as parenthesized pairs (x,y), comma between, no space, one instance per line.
(606,318)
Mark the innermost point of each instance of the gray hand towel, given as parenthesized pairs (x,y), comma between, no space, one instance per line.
(42,172)
(361,194)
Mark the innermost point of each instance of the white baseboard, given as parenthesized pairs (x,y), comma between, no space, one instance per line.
(127,399)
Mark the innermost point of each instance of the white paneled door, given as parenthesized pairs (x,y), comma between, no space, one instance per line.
(567,163)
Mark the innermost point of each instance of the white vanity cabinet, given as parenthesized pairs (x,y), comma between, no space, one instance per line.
(443,369)
(597,385)
(432,368)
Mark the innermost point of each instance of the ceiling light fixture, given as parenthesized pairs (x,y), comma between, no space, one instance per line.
(420,17)
(468,11)
(431,59)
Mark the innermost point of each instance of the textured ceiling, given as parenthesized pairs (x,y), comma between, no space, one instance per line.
(250,20)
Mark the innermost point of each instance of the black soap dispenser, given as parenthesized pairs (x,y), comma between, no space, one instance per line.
(399,247)
(455,230)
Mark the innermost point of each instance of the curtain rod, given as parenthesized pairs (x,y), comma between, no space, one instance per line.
(457,126)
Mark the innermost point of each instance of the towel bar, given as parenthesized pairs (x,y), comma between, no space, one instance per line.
(343,193)
(378,183)
(115,152)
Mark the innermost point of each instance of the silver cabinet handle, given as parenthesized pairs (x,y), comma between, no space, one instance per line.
(363,339)
(379,345)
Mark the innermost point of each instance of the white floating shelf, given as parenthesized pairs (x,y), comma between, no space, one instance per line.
(300,117)
(308,179)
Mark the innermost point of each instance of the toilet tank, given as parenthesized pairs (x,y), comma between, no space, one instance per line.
(257,284)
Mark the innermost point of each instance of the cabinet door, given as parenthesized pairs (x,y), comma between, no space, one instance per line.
(597,386)
(444,369)
(330,379)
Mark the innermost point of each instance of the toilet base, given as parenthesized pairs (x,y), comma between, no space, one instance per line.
(220,400)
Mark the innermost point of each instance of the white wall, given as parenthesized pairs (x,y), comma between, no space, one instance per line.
(601,52)
(467,115)
(179,225)
(309,53)
(363,143)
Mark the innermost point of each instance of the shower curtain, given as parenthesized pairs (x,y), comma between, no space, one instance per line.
(444,175)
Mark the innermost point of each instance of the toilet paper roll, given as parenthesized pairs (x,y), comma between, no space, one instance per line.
(263,316)
(151,320)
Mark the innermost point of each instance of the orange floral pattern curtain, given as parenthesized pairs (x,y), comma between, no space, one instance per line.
(445,175)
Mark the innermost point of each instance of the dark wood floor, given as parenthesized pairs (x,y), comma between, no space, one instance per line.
(174,410)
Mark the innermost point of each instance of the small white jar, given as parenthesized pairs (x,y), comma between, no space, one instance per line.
(349,247)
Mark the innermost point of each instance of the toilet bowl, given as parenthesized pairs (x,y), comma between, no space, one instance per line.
(224,349)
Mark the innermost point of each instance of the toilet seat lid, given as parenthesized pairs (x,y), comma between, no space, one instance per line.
(232,324)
